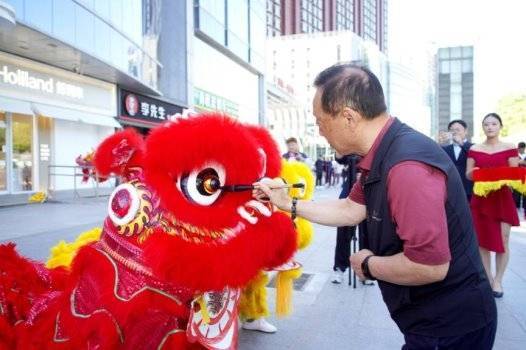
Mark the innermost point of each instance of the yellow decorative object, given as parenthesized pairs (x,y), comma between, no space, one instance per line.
(298,172)
(203,309)
(253,302)
(484,188)
(305,232)
(63,253)
(39,197)
(144,214)
(284,285)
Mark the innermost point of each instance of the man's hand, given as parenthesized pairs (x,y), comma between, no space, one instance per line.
(443,137)
(356,262)
(457,139)
(263,192)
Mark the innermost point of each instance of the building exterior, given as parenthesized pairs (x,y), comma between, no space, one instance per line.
(366,18)
(412,88)
(66,69)
(295,60)
(454,86)
(227,58)
(303,38)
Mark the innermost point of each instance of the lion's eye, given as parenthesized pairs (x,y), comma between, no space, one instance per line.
(203,186)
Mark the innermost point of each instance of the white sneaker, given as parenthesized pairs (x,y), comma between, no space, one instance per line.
(259,324)
(337,277)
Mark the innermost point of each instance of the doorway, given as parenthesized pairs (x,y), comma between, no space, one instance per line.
(16,153)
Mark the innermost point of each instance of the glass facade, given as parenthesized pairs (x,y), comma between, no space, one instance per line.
(22,157)
(238,32)
(16,152)
(455,68)
(384,25)
(369,19)
(3,152)
(311,16)
(111,31)
(239,25)
(345,15)
(273,17)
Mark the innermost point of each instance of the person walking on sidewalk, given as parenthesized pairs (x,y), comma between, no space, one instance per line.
(420,243)
(318,165)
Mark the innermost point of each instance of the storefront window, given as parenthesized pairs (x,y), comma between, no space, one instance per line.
(22,159)
(3,152)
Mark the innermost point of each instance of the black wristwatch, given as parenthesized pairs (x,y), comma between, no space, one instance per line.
(365,269)
(293,208)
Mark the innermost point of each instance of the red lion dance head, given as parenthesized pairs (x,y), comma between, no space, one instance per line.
(176,246)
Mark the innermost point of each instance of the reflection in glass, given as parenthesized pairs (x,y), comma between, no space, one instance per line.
(22,174)
(102,42)
(40,14)
(257,36)
(84,29)
(212,19)
(64,20)
(132,23)
(18,6)
(467,66)
(3,152)
(116,13)
(111,30)
(102,7)
(134,59)
(238,27)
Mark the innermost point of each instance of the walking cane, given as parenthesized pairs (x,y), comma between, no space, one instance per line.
(352,274)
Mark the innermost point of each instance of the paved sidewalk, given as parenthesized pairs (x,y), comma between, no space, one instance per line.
(329,316)
(326,316)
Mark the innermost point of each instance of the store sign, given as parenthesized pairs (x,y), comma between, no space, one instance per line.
(148,109)
(25,79)
(32,81)
(208,101)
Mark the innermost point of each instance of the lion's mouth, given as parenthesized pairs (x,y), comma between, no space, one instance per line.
(199,235)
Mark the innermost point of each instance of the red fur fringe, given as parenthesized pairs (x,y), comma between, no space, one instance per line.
(501,173)
(269,244)
(120,151)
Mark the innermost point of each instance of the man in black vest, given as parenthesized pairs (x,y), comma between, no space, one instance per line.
(420,243)
(458,151)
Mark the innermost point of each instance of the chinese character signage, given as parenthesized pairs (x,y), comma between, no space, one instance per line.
(143,108)
(208,101)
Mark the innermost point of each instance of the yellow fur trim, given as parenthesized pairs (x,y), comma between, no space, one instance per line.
(204,310)
(298,172)
(284,281)
(63,253)
(484,188)
(253,302)
(305,232)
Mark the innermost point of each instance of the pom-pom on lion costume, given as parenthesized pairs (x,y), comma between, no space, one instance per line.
(175,249)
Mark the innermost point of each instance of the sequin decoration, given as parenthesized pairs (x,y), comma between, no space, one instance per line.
(121,203)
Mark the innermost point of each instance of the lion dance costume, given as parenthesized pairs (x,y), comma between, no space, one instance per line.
(174,251)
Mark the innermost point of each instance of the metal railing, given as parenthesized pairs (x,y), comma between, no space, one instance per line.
(74,171)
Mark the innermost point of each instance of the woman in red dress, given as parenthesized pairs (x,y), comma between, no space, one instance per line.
(493,215)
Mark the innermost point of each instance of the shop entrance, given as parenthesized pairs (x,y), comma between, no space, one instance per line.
(16,153)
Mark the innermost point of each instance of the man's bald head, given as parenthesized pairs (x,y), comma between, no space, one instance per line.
(350,85)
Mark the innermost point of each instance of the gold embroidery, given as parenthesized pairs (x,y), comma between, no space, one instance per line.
(173,331)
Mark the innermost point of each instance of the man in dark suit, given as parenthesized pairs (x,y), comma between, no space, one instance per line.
(458,151)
